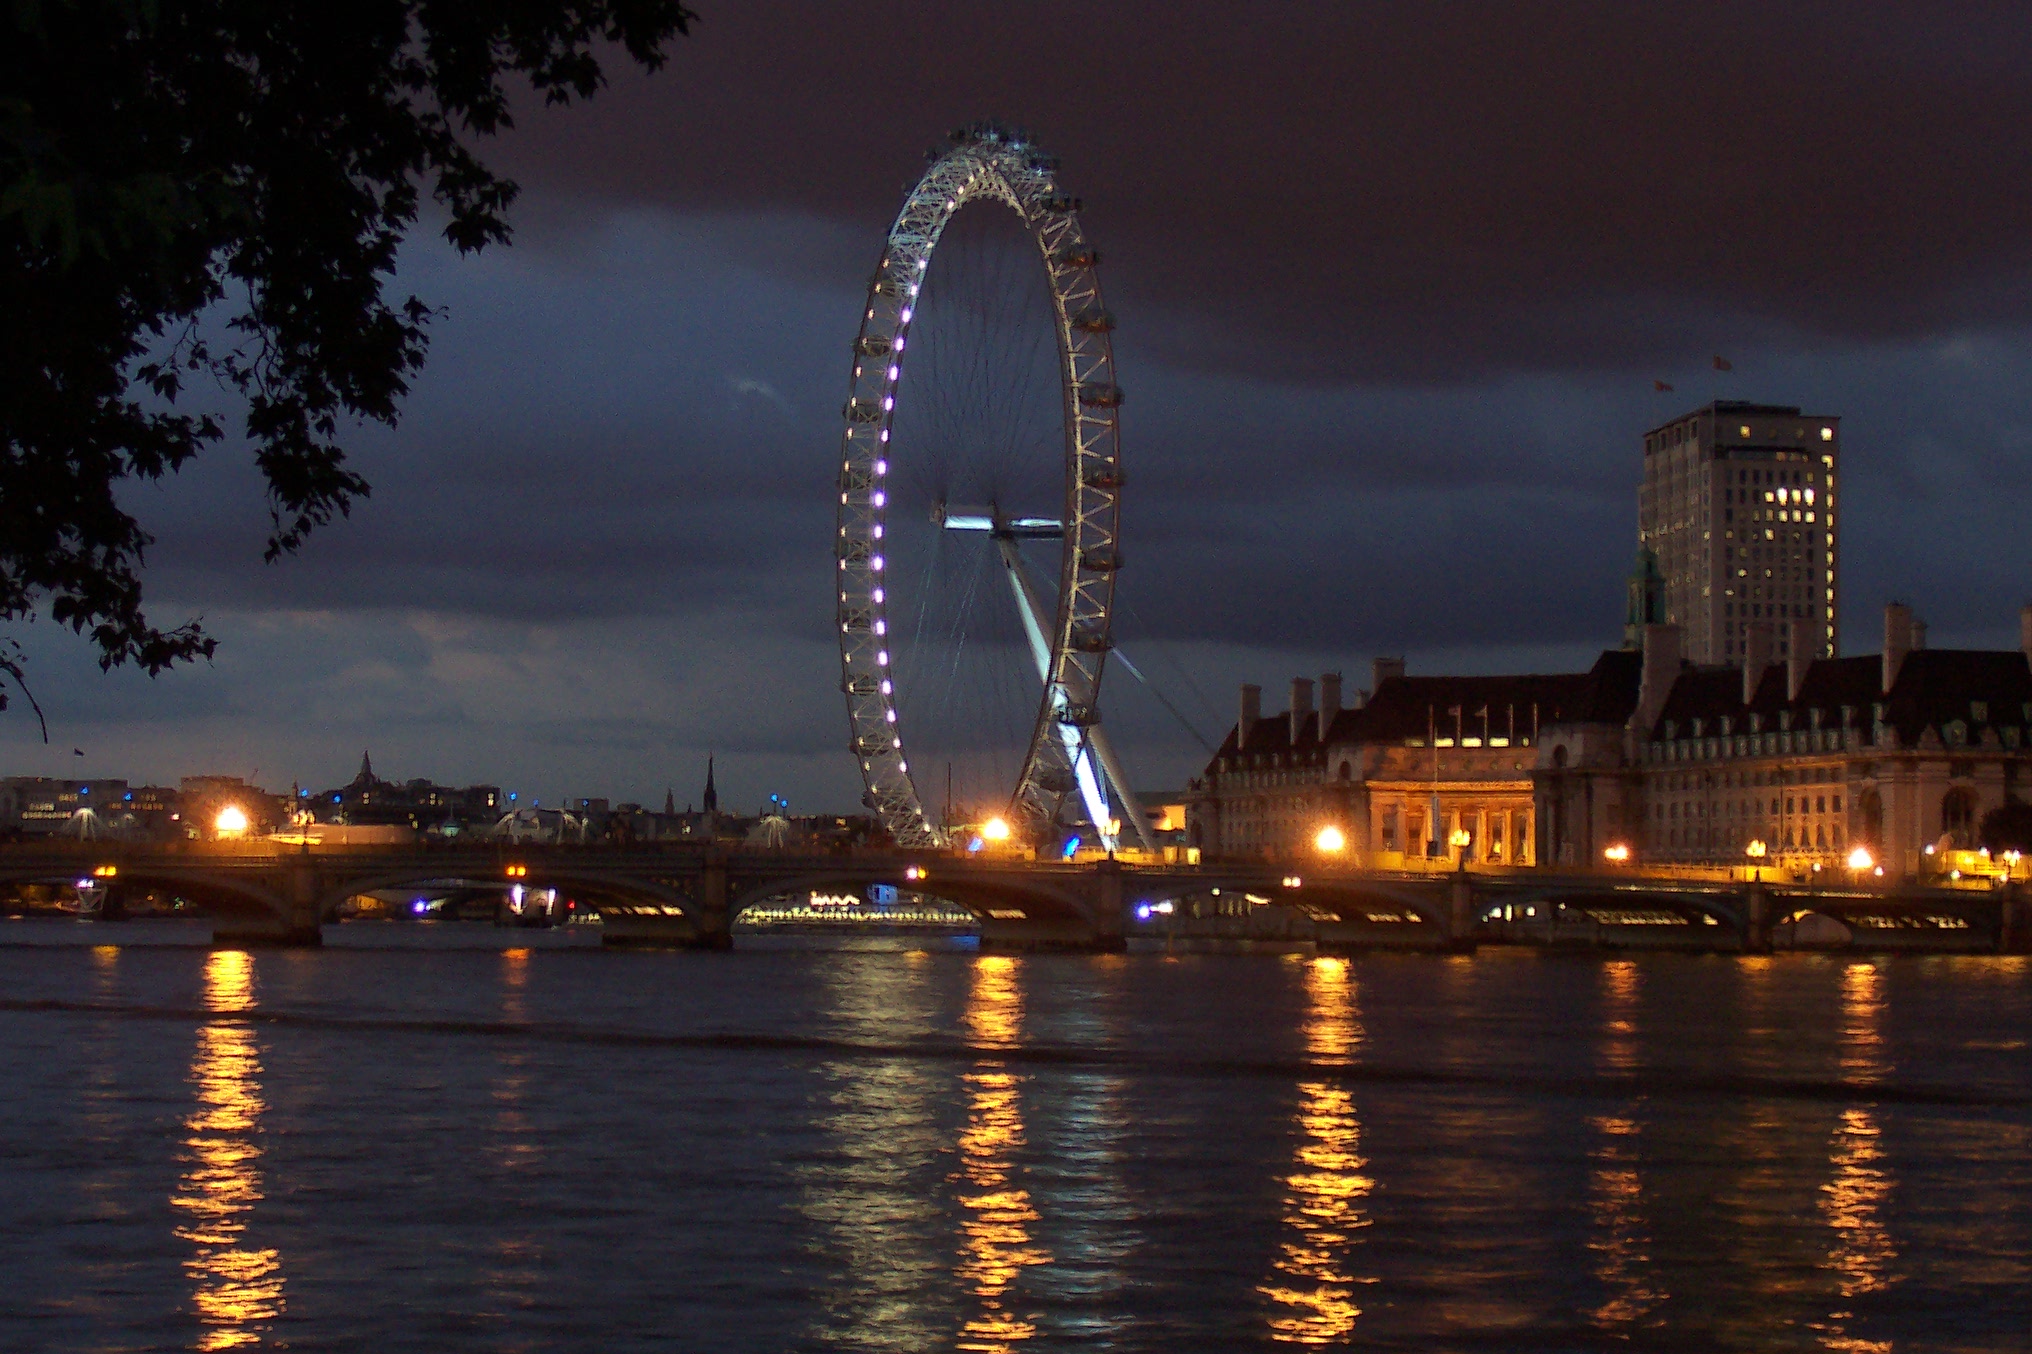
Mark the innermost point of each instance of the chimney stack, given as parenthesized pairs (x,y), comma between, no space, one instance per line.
(1329,701)
(1252,710)
(1897,641)
(1385,669)
(1661,670)
(1801,649)
(1756,657)
(1301,706)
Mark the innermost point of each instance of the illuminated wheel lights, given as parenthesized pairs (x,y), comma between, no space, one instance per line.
(983,164)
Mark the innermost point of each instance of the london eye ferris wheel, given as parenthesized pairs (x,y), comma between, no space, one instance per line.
(978,539)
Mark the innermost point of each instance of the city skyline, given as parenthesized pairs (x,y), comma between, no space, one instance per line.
(584,583)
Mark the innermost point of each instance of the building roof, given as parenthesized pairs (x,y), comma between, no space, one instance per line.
(1935,687)
(1414,707)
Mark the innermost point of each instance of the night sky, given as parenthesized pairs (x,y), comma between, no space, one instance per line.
(1394,283)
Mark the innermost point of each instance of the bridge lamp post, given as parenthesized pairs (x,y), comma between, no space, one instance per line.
(1756,851)
(1861,862)
(1460,839)
(1330,841)
(1619,854)
(231,822)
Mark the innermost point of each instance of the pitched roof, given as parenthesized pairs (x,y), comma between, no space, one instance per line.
(1934,687)
(1415,707)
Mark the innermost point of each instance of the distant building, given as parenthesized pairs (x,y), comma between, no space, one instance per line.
(1738,510)
(368,800)
(38,805)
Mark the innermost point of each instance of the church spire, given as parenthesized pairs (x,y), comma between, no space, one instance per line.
(711,802)
(366,776)
(669,802)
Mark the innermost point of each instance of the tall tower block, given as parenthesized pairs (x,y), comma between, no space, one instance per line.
(1740,506)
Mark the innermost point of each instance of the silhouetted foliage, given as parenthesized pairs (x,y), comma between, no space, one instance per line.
(255,163)
(2008,827)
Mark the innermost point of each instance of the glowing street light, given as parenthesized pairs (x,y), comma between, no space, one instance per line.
(1331,841)
(995,830)
(1860,859)
(231,822)
(1616,854)
(1756,851)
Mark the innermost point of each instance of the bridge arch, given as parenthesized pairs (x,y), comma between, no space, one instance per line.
(1346,899)
(221,894)
(1727,909)
(602,889)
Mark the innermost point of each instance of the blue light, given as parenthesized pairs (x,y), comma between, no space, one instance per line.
(511,796)
(1072,845)
(419,907)
(1142,912)
(84,789)
(337,798)
(974,844)
(128,795)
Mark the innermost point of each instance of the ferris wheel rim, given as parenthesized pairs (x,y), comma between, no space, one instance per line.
(983,162)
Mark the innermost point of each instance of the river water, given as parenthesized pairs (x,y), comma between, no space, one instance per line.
(452,1138)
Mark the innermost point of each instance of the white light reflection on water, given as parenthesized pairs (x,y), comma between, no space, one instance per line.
(999,1221)
(237,1290)
(1616,1208)
(1313,1287)
(867,1194)
(1091,1225)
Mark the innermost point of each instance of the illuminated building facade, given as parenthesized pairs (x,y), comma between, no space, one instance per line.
(1739,508)
(1403,774)
(1899,752)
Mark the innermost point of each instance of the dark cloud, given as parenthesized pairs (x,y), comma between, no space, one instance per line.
(1394,281)
(1393,190)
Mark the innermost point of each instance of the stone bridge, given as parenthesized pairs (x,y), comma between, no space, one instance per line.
(260,893)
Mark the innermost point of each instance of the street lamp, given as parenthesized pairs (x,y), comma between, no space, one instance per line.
(1860,860)
(1616,854)
(1756,851)
(1331,841)
(231,822)
(995,830)
(1460,839)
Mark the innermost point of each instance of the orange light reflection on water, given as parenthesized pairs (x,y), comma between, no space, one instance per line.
(237,1290)
(1852,1203)
(1314,1284)
(998,1244)
(1621,1241)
